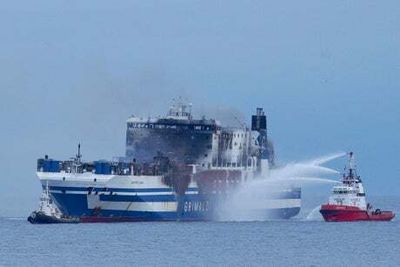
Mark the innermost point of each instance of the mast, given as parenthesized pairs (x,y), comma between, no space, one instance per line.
(351,165)
(77,160)
(79,155)
(350,177)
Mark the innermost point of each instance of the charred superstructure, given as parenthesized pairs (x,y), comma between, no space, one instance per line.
(177,136)
(202,142)
(175,168)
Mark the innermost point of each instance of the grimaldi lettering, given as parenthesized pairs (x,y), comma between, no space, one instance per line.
(193,206)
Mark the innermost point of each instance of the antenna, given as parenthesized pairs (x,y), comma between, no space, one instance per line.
(351,164)
(350,176)
(79,155)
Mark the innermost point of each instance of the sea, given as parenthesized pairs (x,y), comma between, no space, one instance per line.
(302,241)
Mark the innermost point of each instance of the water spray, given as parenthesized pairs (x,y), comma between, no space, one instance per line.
(249,199)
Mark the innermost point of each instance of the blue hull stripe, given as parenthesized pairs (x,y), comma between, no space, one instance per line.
(107,191)
(156,198)
(153,198)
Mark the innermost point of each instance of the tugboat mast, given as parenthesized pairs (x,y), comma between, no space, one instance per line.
(350,177)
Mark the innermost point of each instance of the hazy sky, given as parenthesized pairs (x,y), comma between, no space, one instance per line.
(327,73)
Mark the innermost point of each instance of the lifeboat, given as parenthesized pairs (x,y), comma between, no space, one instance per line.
(348,202)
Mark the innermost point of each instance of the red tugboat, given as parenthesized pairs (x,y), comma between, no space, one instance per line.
(347,202)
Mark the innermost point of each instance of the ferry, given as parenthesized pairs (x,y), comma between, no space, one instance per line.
(175,168)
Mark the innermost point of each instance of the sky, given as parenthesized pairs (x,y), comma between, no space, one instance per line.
(326,72)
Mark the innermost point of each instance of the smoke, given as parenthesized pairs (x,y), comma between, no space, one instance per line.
(226,115)
(254,200)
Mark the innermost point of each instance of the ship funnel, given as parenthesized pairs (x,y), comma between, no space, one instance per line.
(259,124)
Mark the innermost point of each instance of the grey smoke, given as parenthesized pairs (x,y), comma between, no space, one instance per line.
(228,116)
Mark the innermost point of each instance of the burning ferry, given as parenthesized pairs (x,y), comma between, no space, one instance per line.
(175,168)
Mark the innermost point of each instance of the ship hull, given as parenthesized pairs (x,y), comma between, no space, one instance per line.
(278,214)
(41,218)
(131,199)
(191,207)
(341,213)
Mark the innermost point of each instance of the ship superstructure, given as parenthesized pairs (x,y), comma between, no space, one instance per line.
(203,142)
(175,168)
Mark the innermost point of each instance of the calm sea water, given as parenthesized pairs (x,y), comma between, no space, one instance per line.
(297,242)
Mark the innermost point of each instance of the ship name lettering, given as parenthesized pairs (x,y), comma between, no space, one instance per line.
(192,206)
(137,182)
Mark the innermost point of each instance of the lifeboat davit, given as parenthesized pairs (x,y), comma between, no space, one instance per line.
(348,203)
